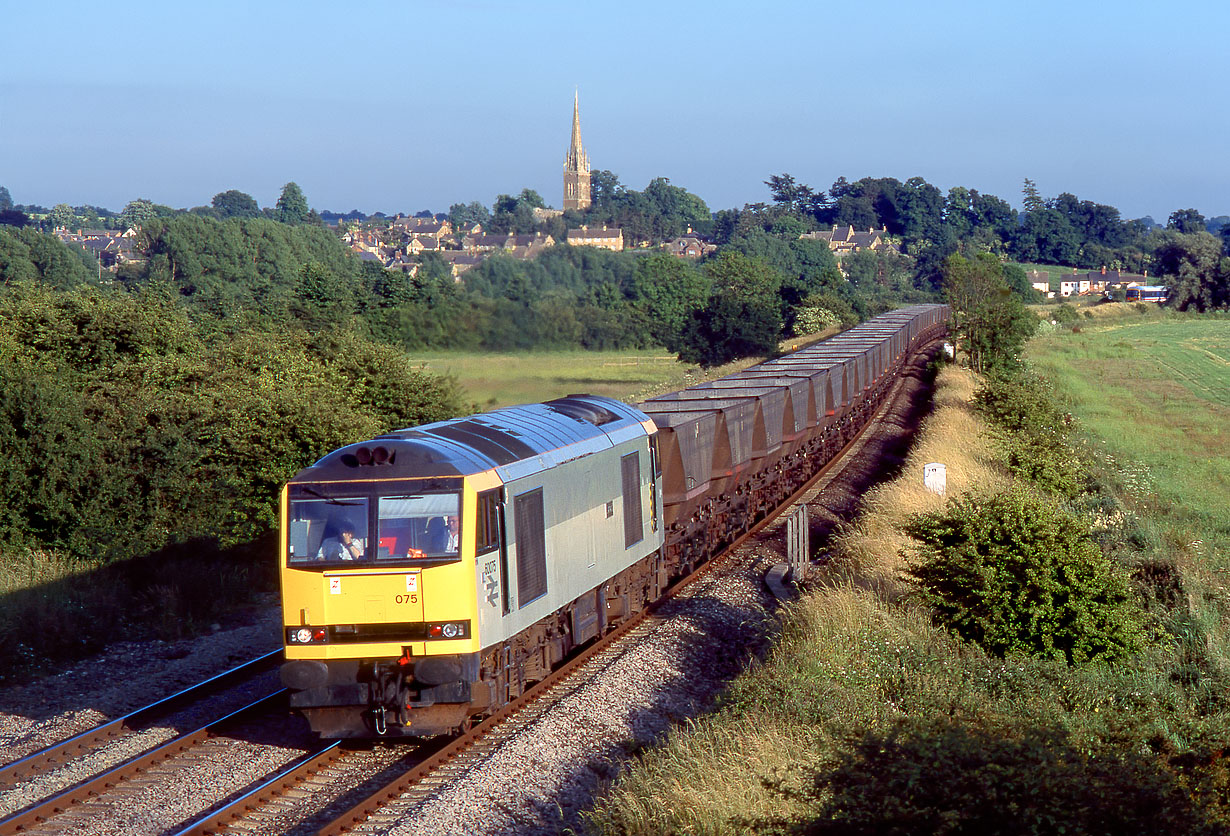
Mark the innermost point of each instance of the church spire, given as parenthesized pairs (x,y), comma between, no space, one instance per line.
(576,164)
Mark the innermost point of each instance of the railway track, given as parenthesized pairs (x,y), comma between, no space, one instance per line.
(45,784)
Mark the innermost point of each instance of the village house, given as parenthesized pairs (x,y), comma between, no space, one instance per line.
(509,242)
(403,264)
(459,262)
(607,239)
(109,247)
(689,246)
(422,244)
(437,231)
(843,239)
(413,224)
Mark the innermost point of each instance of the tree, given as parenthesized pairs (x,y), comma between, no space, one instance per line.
(62,216)
(991,323)
(1047,235)
(921,210)
(1187,221)
(292,206)
(516,214)
(137,212)
(1032,200)
(14,217)
(742,317)
(794,197)
(994,213)
(6,199)
(668,290)
(465,215)
(870,202)
(235,204)
(604,187)
(1201,277)
(531,198)
(676,209)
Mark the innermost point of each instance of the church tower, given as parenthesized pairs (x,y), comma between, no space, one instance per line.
(576,165)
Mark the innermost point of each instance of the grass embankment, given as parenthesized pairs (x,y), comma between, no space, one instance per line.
(866,717)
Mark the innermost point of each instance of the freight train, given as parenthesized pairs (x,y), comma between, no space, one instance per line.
(431,575)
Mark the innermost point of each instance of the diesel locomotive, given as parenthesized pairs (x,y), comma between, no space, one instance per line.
(431,575)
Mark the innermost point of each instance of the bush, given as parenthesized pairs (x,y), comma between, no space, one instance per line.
(1016,573)
(125,426)
(814,320)
(944,776)
(1065,314)
(1031,432)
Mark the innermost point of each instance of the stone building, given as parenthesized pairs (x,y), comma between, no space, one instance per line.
(606,239)
(576,165)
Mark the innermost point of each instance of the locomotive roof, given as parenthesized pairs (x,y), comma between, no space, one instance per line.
(515,441)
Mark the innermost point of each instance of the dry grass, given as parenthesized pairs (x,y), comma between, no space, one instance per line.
(37,568)
(711,780)
(952,434)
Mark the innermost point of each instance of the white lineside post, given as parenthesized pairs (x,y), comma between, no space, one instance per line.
(798,552)
(935,478)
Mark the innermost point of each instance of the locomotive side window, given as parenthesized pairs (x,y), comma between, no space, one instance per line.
(630,467)
(327,530)
(417,526)
(487,524)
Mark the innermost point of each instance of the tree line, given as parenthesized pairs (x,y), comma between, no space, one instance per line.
(1188,253)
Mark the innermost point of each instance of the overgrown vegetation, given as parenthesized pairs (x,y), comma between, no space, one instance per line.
(876,713)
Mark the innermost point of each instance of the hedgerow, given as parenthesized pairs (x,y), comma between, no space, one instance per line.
(1032,433)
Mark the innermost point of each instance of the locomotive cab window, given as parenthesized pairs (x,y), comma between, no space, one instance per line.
(328,530)
(487,525)
(418,526)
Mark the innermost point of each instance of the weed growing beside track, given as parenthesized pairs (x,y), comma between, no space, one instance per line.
(868,717)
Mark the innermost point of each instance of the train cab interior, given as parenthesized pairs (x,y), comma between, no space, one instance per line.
(407,527)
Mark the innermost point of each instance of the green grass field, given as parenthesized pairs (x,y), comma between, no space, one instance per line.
(494,380)
(1155,392)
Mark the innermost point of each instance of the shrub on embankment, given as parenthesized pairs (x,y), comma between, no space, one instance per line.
(142,453)
(871,716)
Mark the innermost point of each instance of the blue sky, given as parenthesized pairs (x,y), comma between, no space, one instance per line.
(402,106)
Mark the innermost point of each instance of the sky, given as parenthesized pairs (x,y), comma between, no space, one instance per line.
(405,106)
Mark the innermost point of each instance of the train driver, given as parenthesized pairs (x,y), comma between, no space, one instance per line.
(343,547)
(443,537)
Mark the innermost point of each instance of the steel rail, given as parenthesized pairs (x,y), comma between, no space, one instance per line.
(54,805)
(64,750)
(399,785)
(291,775)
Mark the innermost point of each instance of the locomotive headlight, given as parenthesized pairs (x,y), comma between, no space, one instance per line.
(447,630)
(306,635)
